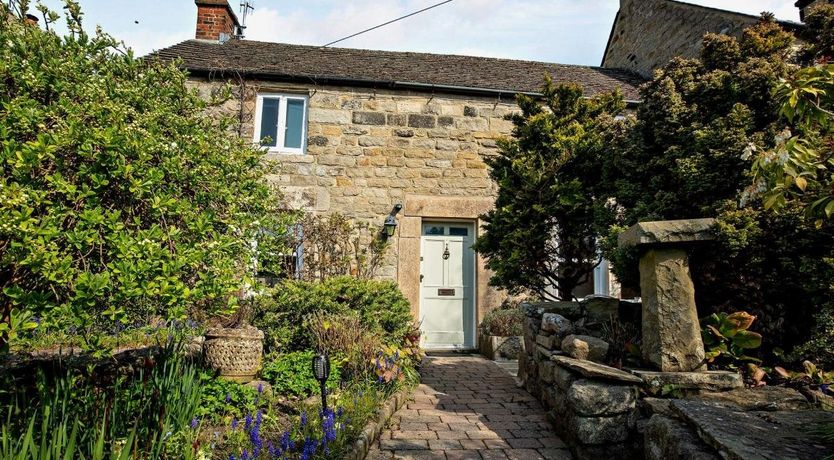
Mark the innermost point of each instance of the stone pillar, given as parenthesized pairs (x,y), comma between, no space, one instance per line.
(671,331)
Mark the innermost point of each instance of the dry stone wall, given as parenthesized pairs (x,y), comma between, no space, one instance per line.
(370,149)
(593,407)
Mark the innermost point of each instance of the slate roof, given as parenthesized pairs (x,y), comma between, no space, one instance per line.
(380,69)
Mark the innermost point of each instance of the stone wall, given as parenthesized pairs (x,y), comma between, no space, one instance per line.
(649,33)
(593,407)
(368,150)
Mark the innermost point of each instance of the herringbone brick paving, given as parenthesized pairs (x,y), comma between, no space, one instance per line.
(469,408)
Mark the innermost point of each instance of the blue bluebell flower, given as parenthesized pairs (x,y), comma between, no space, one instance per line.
(286,442)
(194,423)
(228,398)
(234,424)
(248,423)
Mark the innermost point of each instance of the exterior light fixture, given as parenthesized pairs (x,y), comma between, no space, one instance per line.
(321,371)
(390,226)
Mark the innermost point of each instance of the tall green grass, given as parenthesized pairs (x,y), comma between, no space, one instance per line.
(148,416)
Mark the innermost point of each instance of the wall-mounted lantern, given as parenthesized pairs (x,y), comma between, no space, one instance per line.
(390,226)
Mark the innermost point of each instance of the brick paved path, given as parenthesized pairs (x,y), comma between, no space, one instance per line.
(469,408)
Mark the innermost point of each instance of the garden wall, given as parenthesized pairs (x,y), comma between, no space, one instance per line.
(593,407)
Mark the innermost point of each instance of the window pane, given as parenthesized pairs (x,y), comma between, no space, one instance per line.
(295,123)
(433,231)
(269,121)
(458,231)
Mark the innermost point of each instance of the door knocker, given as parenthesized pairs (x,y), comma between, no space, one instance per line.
(446,252)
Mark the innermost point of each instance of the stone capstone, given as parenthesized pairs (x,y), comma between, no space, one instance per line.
(557,324)
(671,337)
(668,232)
(594,370)
(666,438)
(757,435)
(766,398)
(596,398)
(585,347)
(707,381)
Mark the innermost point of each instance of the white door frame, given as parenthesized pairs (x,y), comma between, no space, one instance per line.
(473,276)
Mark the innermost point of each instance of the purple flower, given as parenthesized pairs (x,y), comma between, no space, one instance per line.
(310,447)
(244,455)
(260,388)
(286,442)
(228,398)
(328,425)
(339,412)
(234,424)
(303,419)
(194,423)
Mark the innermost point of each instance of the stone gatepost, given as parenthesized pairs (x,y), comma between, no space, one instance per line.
(671,331)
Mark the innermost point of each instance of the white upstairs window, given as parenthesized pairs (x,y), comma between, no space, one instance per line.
(281,123)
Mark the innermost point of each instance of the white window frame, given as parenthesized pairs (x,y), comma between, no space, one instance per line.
(282,123)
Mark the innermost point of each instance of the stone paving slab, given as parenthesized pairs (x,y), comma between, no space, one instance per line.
(468,407)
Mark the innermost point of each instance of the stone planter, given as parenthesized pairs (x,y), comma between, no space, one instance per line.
(236,354)
(493,346)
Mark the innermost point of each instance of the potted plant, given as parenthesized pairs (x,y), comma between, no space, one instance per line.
(234,348)
(501,333)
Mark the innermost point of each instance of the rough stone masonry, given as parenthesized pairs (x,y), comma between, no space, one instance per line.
(671,330)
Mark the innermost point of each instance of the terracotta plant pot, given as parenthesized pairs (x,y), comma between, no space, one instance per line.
(235,353)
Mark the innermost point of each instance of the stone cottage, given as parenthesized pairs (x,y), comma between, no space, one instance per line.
(359,132)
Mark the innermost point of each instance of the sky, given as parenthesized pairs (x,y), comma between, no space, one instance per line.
(564,31)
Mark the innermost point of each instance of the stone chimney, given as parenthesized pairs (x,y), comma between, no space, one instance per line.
(216,20)
(805,6)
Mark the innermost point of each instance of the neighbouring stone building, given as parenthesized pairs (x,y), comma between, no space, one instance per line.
(358,132)
(648,33)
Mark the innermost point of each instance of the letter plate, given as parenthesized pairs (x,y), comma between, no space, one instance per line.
(446,292)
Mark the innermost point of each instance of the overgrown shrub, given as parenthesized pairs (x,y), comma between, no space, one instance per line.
(688,154)
(119,197)
(283,313)
(504,323)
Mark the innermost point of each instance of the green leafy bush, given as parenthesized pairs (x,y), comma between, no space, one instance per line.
(283,314)
(119,198)
(222,398)
(504,323)
(688,153)
(292,373)
(727,338)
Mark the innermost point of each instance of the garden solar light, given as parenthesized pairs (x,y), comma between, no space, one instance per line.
(321,371)
(390,226)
